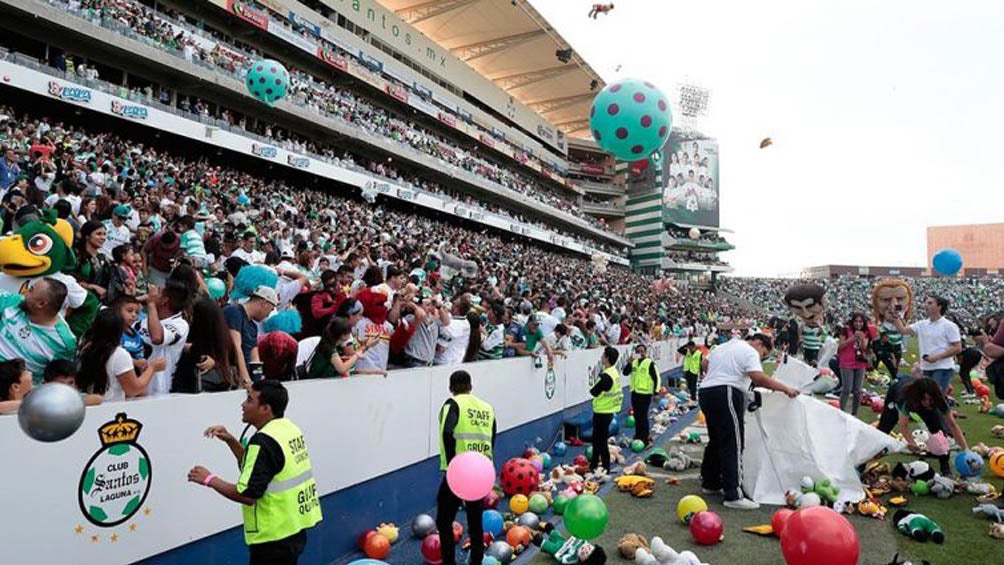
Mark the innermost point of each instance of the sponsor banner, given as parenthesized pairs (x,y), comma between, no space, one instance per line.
(405,194)
(333,59)
(304,23)
(297,161)
(447,119)
(371,63)
(593,169)
(293,38)
(266,151)
(498,133)
(129,111)
(465,115)
(421,90)
(397,91)
(546,133)
(425,107)
(245,12)
(69,92)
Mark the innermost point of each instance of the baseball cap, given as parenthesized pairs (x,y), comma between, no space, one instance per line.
(122,211)
(266,293)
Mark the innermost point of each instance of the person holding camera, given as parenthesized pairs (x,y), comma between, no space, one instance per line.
(939,339)
(732,368)
(854,343)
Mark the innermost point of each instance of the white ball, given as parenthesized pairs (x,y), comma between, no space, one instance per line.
(51,412)
(694,233)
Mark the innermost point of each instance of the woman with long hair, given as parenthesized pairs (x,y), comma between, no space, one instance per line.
(474,342)
(92,270)
(336,353)
(209,359)
(852,350)
(105,367)
(923,398)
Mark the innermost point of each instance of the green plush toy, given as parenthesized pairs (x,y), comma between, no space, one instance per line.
(918,526)
(827,491)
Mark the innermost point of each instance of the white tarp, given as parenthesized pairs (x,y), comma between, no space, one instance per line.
(787,439)
(794,373)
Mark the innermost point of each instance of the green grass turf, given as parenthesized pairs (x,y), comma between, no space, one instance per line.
(966,534)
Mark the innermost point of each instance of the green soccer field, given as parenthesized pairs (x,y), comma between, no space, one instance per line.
(967,539)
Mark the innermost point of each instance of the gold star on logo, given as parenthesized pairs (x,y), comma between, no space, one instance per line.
(146,511)
(132,527)
(95,538)
(79,529)
(115,538)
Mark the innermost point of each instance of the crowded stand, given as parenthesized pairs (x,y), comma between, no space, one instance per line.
(214,50)
(163,239)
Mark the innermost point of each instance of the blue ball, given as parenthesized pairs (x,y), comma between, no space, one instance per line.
(368,562)
(490,560)
(947,262)
(615,426)
(492,522)
(969,464)
(560,448)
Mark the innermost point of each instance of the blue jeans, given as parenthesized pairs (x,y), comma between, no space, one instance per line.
(941,376)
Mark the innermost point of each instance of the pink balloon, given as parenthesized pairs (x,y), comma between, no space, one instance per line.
(818,534)
(470,475)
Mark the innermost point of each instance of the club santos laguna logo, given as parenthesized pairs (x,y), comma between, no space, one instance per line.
(116,480)
(550,384)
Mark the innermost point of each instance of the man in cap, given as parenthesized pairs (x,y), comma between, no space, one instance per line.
(118,232)
(243,319)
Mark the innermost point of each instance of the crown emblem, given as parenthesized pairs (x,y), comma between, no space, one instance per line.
(120,430)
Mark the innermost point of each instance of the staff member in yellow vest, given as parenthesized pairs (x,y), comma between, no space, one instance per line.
(276,487)
(608,396)
(466,423)
(644,383)
(691,366)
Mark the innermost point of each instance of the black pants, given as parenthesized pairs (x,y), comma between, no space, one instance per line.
(640,404)
(691,379)
(447,505)
(969,359)
(724,409)
(890,358)
(810,356)
(933,419)
(285,551)
(601,432)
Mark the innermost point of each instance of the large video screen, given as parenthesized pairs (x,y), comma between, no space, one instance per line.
(690,182)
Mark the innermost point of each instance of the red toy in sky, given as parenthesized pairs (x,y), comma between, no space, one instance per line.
(600,9)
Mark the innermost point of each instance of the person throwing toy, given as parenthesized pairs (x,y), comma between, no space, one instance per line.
(732,370)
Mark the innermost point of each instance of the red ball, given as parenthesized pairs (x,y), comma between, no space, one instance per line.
(818,534)
(431,552)
(779,519)
(580,461)
(377,546)
(878,405)
(361,540)
(518,536)
(982,390)
(458,532)
(491,502)
(706,527)
(519,477)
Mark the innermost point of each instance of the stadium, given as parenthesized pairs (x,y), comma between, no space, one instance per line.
(422,200)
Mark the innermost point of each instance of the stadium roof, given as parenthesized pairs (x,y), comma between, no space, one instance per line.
(511,44)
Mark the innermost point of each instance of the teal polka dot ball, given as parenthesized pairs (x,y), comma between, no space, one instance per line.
(267,81)
(630,119)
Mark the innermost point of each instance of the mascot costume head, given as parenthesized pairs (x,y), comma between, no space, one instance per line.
(894,294)
(807,302)
(38,248)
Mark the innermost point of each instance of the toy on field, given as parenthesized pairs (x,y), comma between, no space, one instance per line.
(568,550)
(389,531)
(968,464)
(422,526)
(942,487)
(519,477)
(677,460)
(688,506)
(519,504)
(918,526)
(824,488)
(631,543)
(431,550)
(997,531)
(816,535)
(991,511)
(870,507)
(779,519)
(920,488)
(706,528)
(586,517)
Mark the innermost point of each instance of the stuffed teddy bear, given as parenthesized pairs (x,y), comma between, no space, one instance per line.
(677,460)
(942,487)
(796,499)
(997,531)
(637,468)
(918,526)
(665,555)
(629,544)
(991,511)
(997,431)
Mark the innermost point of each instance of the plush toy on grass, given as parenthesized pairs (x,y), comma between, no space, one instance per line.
(827,492)
(570,550)
(665,555)
(997,431)
(629,544)
(918,526)
(997,531)
(677,460)
(870,507)
(796,499)
(914,471)
(942,487)
(991,511)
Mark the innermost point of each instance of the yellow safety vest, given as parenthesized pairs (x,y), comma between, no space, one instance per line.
(641,379)
(290,503)
(692,362)
(474,427)
(609,402)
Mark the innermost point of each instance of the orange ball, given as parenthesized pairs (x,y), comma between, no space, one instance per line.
(996,462)
(377,546)
(700,417)
(517,536)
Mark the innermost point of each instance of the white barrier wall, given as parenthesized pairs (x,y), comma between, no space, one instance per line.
(356,428)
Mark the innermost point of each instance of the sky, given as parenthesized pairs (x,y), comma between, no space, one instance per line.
(885,115)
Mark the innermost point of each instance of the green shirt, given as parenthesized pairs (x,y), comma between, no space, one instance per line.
(531,339)
(812,337)
(889,329)
(36,344)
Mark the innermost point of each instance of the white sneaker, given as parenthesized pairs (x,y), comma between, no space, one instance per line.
(742,504)
(710,491)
